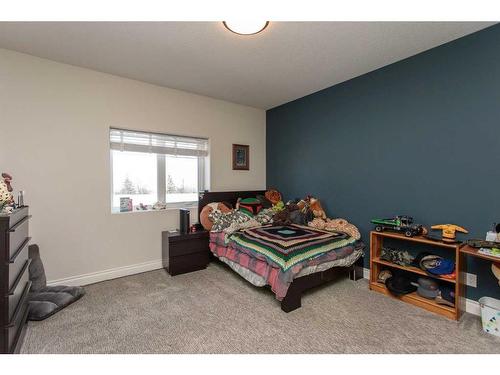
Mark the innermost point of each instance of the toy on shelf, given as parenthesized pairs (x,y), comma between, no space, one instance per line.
(449,231)
(403,224)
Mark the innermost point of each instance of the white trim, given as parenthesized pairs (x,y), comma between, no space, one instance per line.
(109,274)
(471,306)
(366,273)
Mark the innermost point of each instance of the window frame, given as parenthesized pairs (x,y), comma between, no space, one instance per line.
(161,178)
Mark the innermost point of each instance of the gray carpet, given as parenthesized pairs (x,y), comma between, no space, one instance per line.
(215,311)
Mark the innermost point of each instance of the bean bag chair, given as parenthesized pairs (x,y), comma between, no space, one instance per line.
(45,301)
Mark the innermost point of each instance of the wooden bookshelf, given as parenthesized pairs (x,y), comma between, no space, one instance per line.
(377,264)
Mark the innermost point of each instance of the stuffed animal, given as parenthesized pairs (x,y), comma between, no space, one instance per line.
(312,204)
(317,223)
(280,206)
(337,225)
(6,197)
(273,196)
(317,209)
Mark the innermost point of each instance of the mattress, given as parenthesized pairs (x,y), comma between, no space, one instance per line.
(277,262)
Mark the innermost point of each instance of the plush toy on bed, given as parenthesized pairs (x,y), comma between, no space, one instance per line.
(338,225)
(249,206)
(274,197)
(284,217)
(312,204)
(292,214)
(205,218)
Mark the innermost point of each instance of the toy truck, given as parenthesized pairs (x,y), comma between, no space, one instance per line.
(401,224)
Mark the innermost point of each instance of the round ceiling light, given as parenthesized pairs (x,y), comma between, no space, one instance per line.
(246,27)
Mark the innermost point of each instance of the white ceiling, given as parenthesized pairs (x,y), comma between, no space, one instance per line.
(285,62)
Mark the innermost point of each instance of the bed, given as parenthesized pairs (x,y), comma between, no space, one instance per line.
(289,259)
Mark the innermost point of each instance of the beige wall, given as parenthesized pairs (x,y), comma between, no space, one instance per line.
(54,122)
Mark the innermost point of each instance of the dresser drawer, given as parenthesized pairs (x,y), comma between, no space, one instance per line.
(18,233)
(14,330)
(188,263)
(191,246)
(18,261)
(19,289)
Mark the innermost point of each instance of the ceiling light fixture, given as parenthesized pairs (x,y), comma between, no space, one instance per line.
(246,27)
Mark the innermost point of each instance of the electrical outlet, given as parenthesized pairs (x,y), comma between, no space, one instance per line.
(471,280)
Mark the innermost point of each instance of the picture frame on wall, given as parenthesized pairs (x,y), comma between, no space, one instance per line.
(241,157)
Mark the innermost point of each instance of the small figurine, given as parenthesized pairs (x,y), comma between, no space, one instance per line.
(449,231)
(403,224)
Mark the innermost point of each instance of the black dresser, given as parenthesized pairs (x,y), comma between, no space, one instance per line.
(185,252)
(14,278)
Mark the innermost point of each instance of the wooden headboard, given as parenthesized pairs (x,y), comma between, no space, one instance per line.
(205,198)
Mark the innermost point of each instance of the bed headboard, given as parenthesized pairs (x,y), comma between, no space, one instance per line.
(205,198)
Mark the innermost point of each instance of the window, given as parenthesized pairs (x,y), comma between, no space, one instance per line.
(148,168)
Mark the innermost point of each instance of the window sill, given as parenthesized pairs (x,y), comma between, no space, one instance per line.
(170,207)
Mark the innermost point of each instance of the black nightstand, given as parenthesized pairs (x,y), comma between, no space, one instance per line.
(183,253)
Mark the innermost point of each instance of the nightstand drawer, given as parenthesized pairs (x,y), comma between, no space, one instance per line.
(188,263)
(192,246)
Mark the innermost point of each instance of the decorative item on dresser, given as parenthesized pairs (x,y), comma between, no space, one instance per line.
(14,278)
(185,252)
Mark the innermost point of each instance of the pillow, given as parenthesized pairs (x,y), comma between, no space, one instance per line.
(205,219)
(249,206)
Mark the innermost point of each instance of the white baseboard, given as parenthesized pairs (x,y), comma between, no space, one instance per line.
(366,273)
(471,306)
(113,273)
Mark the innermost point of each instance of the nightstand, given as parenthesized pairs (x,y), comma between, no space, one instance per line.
(183,253)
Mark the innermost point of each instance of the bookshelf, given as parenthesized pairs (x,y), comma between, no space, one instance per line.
(377,264)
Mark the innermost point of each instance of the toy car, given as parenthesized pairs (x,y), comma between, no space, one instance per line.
(402,224)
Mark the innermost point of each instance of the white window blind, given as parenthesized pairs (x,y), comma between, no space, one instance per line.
(135,141)
(150,168)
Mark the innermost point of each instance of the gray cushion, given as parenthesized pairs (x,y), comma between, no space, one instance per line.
(37,272)
(51,299)
(47,300)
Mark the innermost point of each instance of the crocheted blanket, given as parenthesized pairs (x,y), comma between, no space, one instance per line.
(290,244)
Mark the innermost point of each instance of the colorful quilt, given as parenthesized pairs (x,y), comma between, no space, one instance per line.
(289,245)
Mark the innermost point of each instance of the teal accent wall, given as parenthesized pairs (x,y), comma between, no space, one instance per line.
(419,137)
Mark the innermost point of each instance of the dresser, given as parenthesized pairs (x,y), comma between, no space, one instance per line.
(185,252)
(14,278)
